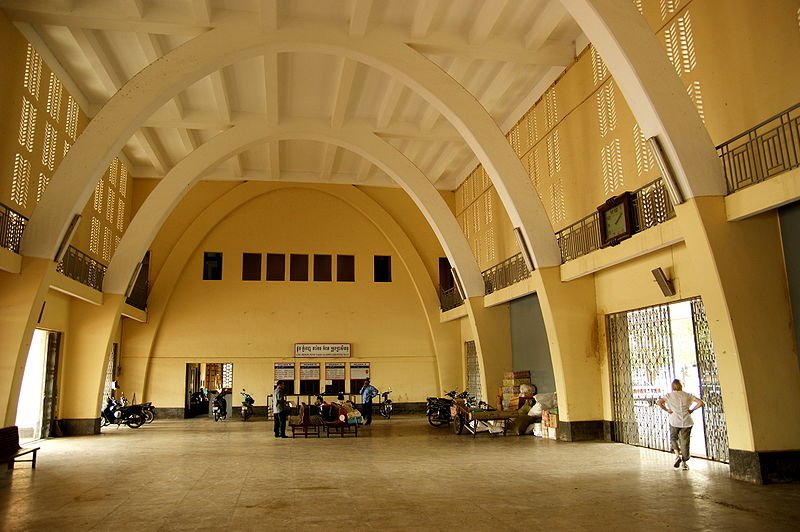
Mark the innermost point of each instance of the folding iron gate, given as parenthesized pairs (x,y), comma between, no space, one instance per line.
(473,370)
(642,369)
(711,393)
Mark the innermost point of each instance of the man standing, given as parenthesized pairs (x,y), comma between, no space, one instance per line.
(680,405)
(367,392)
(279,410)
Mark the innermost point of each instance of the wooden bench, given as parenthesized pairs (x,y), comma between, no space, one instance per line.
(341,428)
(10,451)
(305,423)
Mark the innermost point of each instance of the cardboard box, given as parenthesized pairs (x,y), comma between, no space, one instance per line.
(553,420)
(517,375)
(515,382)
(510,390)
(552,433)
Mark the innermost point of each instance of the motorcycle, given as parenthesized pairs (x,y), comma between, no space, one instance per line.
(438,409)
(116,413)
(220,407)
(385,407)
(247,405)
(148,410)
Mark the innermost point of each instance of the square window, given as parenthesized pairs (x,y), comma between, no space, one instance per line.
(383,269)
(212,266)
(298,267)
(345,268)
(276,267)
(251,266)
(323,268)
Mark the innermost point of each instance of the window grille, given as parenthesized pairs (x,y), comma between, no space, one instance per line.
(44,180)
(49,148)
(106,244)
(33,72)
(94,236)
(644,156)
(697,98)
(110,202)
(21,181)
(120,215)
(72,118)
(27,124)
(612,167)
(98,196)
(54,98)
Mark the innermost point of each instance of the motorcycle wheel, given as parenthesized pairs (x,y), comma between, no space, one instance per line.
(216,416)
(246,414)
(458,424)
(149,416)
(152,411)
(389,410)
(435,420)
(135,421)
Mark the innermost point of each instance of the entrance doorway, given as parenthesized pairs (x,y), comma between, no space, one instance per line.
(649,348)
(204,381)
(37,395)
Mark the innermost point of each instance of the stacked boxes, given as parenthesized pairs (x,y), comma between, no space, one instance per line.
(550,424)
(510,389)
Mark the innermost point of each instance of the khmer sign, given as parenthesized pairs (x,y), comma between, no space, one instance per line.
(322,350)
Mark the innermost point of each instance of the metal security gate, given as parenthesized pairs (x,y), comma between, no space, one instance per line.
(642,369)
(641,361)
(716,430)
(473,370)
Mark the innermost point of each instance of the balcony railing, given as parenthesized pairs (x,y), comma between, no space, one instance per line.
(450,299)
(508,272)
(81,267)
(12,224)
(651,206)
(770,148)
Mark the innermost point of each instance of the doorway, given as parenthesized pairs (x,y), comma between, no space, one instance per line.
(649,348)
(38,392)
(204,381)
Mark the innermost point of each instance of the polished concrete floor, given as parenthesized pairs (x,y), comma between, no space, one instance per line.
(397,475)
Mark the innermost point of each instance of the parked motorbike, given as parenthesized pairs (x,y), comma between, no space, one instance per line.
(385,408)
(247,405)
(115,413)
(438,409)
(149,412)
(220,407)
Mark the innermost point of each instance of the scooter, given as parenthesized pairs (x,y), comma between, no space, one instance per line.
(247,405)
(220,407)
(438,409)
(385,408)
(115,413)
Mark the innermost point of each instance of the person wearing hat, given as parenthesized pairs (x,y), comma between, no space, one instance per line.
(367,392)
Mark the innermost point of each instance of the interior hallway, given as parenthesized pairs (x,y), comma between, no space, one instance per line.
(397,475)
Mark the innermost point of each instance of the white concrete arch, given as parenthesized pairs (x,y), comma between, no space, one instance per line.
(73,182)
(159,204)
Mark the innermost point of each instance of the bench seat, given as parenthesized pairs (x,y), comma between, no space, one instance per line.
(10,450)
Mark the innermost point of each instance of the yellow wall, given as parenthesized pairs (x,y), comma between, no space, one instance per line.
(255,324)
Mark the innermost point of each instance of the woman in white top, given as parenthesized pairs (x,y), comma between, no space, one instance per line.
(680,405)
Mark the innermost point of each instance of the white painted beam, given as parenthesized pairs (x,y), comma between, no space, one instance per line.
(485,20)
(548,20)
(343,89)
(359,17)
(389,104)
(423,17)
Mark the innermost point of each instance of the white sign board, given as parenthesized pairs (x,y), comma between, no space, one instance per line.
(334,371)
(309,371)
(359,370)
(322,350)
(284,371)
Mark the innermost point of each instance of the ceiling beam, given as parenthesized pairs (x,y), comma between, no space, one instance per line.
(359,17)
(152,146)
(457,71)
(500,83)
(109,19)
(363,170)
(274,156)
(548,20)
(389,104)
(498,48)
(327,161)
(343,89)
(486,19)
(423,17)
(221,95)
(269,14)
(271,88)
(202,11)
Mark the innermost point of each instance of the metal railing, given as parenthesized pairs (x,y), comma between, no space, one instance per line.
(12,224)
(651,206)
(450,298)
(81,267)
(766,150)
(508,272)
